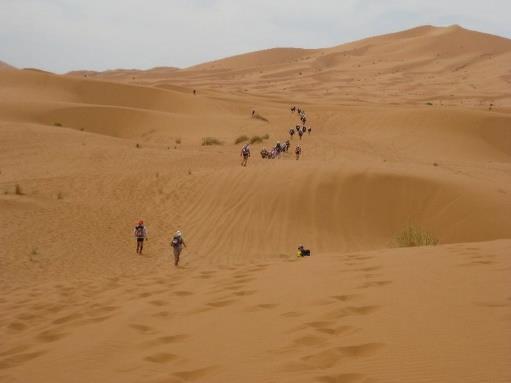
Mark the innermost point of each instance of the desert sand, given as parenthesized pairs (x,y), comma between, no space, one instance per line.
(407,128)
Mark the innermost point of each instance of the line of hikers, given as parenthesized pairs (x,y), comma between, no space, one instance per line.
(177,242)
(279,148)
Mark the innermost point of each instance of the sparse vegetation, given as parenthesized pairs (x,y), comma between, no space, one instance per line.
(189,172)
(57,124)
(138,146)
(413,236)
(208,141)
(17,190)
(259,139)
(178,140)
(60,195)
(33,253)
(429,103)
(241,139)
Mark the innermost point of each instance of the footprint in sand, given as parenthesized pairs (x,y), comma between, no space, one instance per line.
(331,357)
(349,311)
(345,297)
(49,336)
(68,318)
(183,293)
(18,359)
(194,375)
(17,326)
(222,303)
(262,306)
(375,284)
(143,329)
(342,378)
(162,357)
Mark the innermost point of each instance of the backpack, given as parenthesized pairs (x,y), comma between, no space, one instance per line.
(176,241)
(139,231)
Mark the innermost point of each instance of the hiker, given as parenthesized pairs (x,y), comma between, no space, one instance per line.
(291,133)
(245,153)
(177,244)
(286,146)
(253,112)
(265,153)
(309,131)
(140,233)
(304,129)
(302,252)
(297,127)
(300,133)
(293,108)
(298,152)
(299,111)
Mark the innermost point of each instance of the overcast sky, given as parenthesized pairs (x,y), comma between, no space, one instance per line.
(64,35)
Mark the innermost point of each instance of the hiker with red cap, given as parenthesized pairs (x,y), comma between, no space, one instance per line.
(140,233)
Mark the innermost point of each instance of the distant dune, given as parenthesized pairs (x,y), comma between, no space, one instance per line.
(410,129)
(442,65)
(5,66)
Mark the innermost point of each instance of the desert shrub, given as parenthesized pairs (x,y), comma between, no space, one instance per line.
(256,140)
(241,139)
(17,190)
(412,236)
(259,139)
(207,141)
(138,146)
(57,124)
(429,103)
(178,140)
(60,195)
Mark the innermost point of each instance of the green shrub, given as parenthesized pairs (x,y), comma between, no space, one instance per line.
(412,236)
(207,141)
(241,139)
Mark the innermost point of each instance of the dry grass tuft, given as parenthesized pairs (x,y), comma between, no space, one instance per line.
(413,236)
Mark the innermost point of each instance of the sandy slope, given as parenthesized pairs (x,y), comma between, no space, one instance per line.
(428,315)
(92,157)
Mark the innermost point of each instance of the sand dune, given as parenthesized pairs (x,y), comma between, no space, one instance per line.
(442,65)
(401,134)
(4,65)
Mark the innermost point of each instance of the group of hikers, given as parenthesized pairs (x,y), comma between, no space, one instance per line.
(177,242)
(279,148)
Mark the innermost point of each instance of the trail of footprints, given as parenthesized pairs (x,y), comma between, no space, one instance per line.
(319,341)
(323,344)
